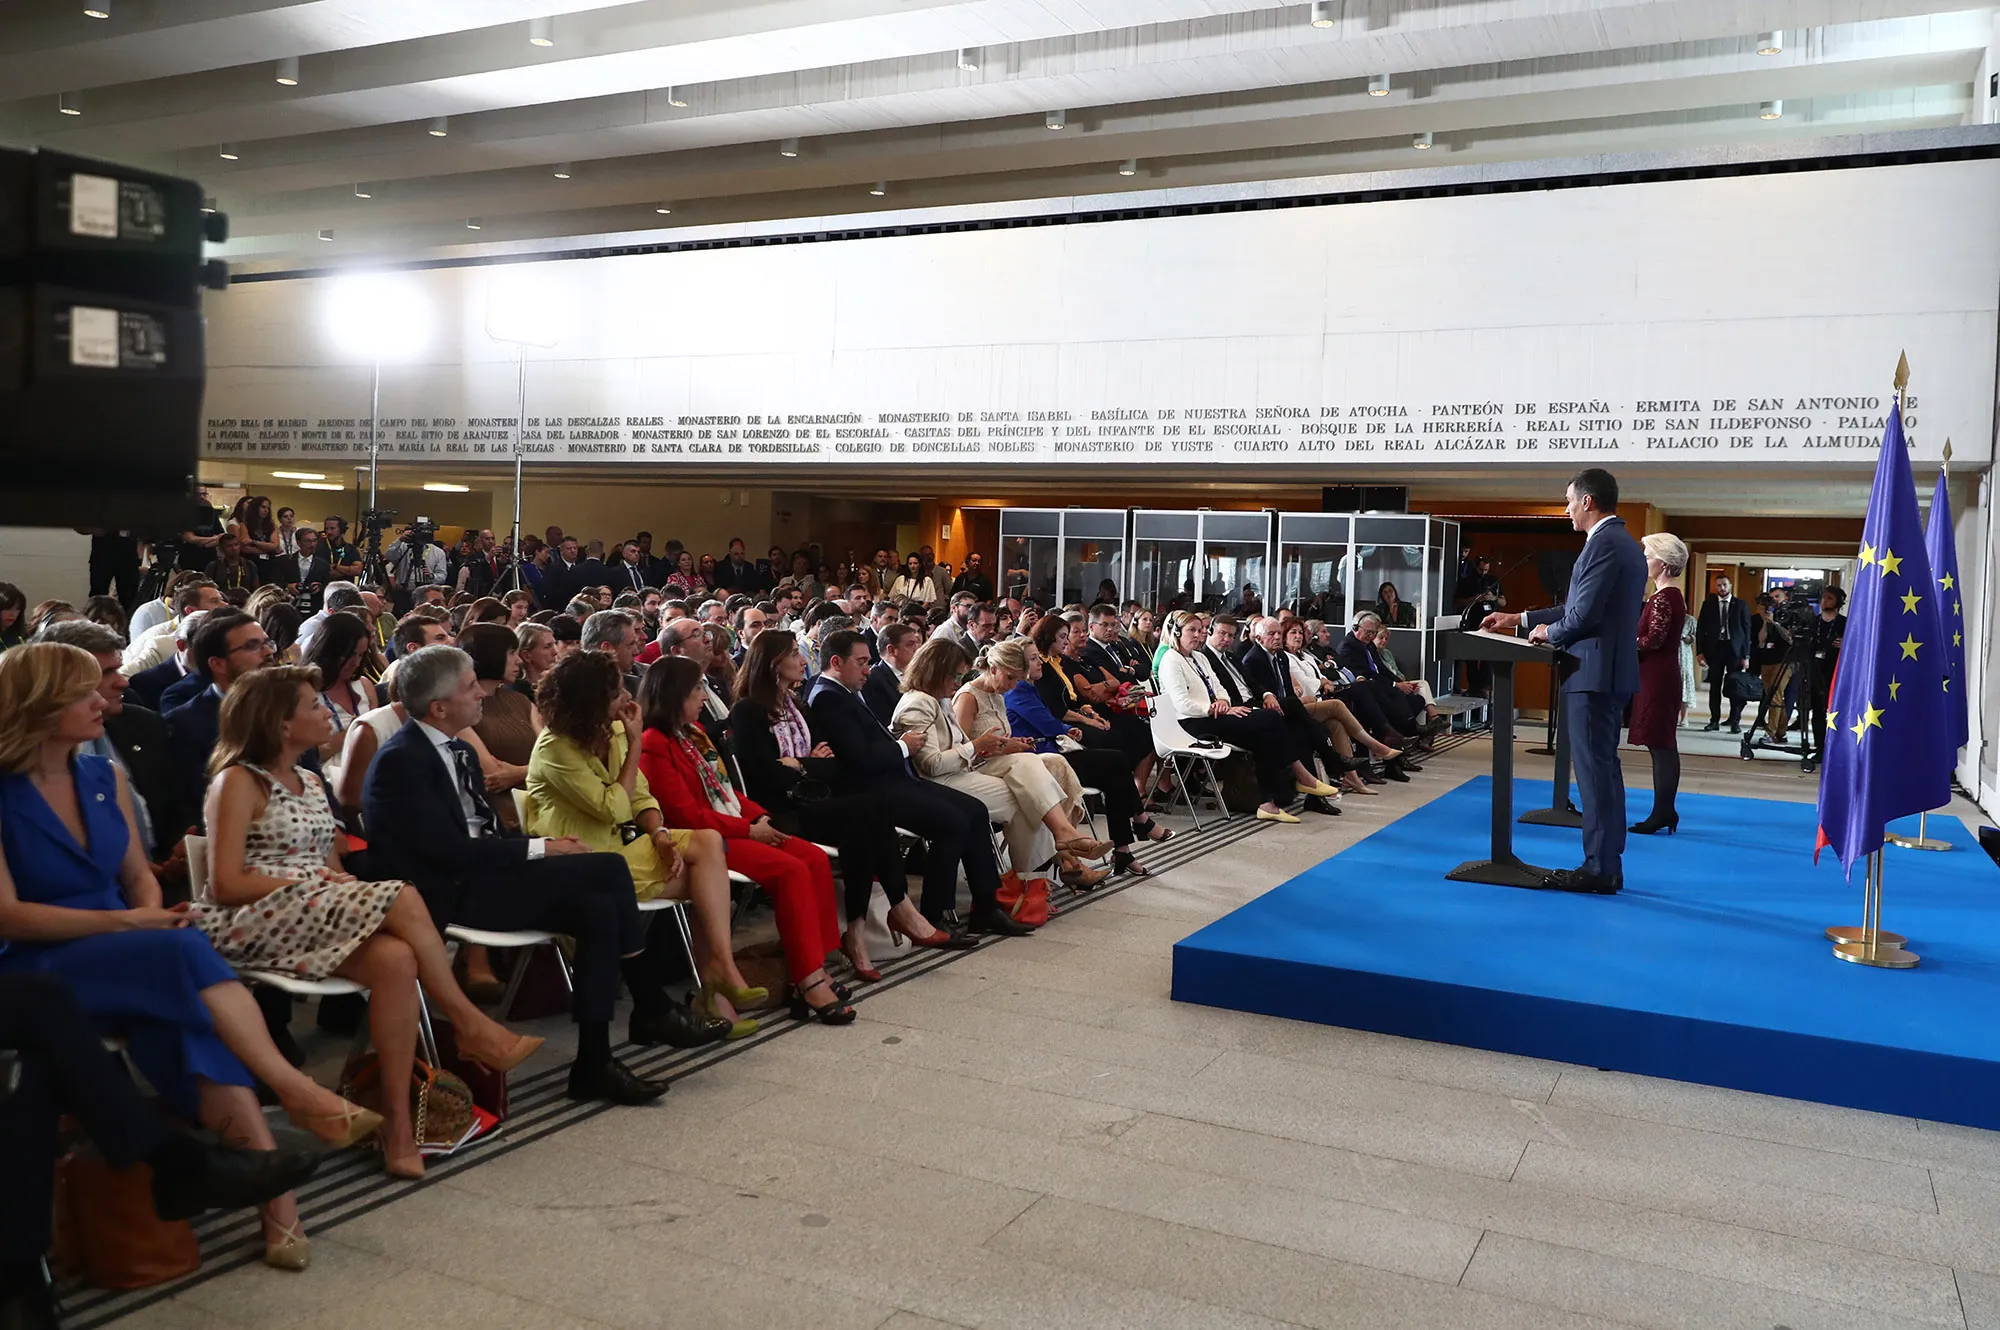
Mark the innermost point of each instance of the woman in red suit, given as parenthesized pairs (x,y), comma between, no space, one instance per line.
(692,783)
(1656,710)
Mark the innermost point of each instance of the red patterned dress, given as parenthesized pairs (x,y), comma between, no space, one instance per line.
(1656,710)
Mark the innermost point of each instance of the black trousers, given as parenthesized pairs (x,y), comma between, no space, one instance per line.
(588,896)
(1111,773)
(955,828)
(1268,739)
(1311,735)
(1718,679)
(860,828)
(64,1069)
(124,576)
(1366,704)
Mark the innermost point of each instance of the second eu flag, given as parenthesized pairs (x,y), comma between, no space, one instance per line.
(1887,741)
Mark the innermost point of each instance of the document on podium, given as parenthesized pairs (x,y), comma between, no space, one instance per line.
(1512,639)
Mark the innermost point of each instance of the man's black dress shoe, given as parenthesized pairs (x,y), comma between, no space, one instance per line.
(1320,804)
(613,1081)
(674,1024)
(1395,770)
(1711,727)
(1372,777)
(995,921)
(1575,879)
(192,1177)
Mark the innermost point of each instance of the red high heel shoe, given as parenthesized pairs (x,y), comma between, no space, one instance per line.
(938,938)
(867,974)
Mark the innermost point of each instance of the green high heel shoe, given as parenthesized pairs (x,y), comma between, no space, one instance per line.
(740,1028)
(739,998)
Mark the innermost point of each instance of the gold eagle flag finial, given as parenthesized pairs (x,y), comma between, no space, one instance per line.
(1947,452)
(1902,371)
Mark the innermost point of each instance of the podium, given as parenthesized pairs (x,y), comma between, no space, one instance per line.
(1502,867)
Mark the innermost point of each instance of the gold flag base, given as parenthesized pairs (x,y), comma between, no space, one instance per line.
(1919,841)
(1868,943)
(1859,933)
(1880,955)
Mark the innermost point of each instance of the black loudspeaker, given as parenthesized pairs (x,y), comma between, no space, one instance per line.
(1364,499)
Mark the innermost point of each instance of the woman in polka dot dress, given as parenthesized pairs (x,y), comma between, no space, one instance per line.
(278,898)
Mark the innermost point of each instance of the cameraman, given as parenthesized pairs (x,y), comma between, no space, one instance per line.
(1770,648)
(415,562)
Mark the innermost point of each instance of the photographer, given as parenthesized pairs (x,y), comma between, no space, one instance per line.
(1822,653)
(416,561)
(1770,648)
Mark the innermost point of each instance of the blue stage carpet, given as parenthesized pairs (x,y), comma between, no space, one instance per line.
(1710,966)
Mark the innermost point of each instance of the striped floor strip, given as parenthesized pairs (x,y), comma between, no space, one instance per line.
(351,1184)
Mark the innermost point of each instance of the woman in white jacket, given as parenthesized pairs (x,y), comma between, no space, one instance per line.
(1192,698)
(1016,786)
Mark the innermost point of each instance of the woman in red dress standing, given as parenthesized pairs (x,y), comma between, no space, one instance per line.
(1656,710)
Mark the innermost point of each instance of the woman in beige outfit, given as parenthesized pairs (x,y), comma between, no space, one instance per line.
(1037,805)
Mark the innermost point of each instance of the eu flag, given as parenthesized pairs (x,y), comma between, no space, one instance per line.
(1943,553)
(1886,728)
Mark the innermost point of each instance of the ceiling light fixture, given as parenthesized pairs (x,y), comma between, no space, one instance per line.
(288,71)
(66,102)
(446,487)
(1322,14)
(541,32)
(879,188)
(563,172)
(1422,142)
(1130,166)
(1771,110)
(473,224)
(440,127)
(97,9)
(326,233)
(319,485)
(1378,86)
(228,152)
(664,209)
(788,147)
(675,97)
(1771,43)
(968,59)
(361,192)
(1056,119)
(298,475)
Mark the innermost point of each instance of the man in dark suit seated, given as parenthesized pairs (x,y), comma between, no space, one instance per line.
(1101,649)
(1269,676)
(1359,653)
(1597,626)
(229,645)
(149,687)
(428,823)
(953,824)
(897,642)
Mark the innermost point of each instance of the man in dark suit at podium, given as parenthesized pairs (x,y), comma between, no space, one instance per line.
(1598,628)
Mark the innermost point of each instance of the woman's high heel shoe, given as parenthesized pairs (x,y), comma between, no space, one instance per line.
(836,1012)
(409,1167)
(1078,876)
(703,1001)
(1124,861)
(338,1130)
(739,998)
(1085,847)
(290,1252)
(867,974)
(518,1052)
(937,937)
(1654,824)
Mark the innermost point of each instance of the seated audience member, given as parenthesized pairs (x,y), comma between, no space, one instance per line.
(895,644)
(280,623)
(584,782)
(487,609)
(63,1069)
(796,778)
(364,739)
(14,608)
(538,656)
(568,634)
(1140,640)
(339,596)
(1101,675)
(720,672)
(263,598)
(339,654)
(78,901)
(1358,655)
(229,646)
(611,633)
(155,645)
(278,897)
(1018,666)
(1034,807)
(1194,698)
(1267,673)
(519,605)
(1317,695)
(687,639)
(429,823)
(953,824)
(1416,688)
(106,610)
(692,782)
(135,741)
(504,738)
(1391,608)
(1065,696)
(149,687)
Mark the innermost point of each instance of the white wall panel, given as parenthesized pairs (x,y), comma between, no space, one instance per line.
(1145,333)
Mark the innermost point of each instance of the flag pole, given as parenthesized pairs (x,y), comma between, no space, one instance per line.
(1921,841)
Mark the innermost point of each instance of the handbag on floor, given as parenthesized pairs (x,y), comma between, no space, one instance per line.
(106,1231)
(440,1103)
(1026,902)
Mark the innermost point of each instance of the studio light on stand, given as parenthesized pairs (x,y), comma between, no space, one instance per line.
(377,317)
(525,306)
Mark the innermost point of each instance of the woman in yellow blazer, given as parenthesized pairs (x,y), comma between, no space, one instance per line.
(584,781)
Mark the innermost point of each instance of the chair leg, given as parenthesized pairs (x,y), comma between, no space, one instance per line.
(426,1036)
(521,958)
(1186,786)
(562,967)
(1215,783)
(679,911)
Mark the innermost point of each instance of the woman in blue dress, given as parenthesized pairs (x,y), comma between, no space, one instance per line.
(78,899)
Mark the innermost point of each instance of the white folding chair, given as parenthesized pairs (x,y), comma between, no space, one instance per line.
(295,986)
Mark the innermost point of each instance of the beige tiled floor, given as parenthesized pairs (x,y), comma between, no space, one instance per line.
(1037,1137)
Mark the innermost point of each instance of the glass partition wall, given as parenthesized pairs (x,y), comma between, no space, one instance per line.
(1334,565)
(1054,556)
(1201,559)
